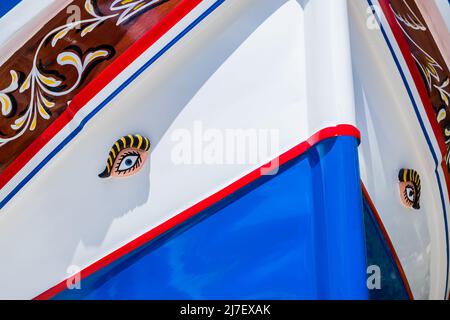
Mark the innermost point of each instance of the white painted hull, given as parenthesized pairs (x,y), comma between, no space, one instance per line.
(295,67)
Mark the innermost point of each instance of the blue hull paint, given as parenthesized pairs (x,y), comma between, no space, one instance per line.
(297,235)
(7,5)
(379,254)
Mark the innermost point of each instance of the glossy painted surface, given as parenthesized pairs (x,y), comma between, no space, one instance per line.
(378,254)
(291,236)
(444,8)
(7,5)
(59,65)
(231,40)
(396,134)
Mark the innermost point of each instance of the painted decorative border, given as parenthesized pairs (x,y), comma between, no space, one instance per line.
(88,93)
(425,52)
(43,87)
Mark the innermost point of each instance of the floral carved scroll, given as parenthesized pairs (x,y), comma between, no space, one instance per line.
(430,62)
(39,81)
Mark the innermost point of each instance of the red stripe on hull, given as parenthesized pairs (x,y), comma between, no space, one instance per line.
(98,84)
(331,132)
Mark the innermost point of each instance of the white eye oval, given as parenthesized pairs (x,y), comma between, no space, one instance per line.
(128,162)
(410,194)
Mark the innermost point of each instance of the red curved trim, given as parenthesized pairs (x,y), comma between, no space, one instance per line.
(331,132)
(415,73)
(339,130)
(98,84)
(388,241)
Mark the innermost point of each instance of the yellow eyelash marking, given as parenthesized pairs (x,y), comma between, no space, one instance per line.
(412,177)
(140,141)
(132,140)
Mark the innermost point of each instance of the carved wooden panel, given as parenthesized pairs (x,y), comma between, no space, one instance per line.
(38,83)
(430,62)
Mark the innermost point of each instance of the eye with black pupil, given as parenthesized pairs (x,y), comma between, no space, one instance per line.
(128,162)
(409,194)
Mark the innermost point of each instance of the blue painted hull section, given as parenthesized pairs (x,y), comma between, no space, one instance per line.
(7,5)
(379,254)
(296,235)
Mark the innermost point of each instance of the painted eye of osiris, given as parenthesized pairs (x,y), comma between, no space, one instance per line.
(127,156)
(409,188)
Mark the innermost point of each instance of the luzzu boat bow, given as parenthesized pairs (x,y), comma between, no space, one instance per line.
(266,149)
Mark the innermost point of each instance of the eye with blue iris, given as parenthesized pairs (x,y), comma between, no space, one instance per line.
(129,161)
(126,157)
(409,183)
